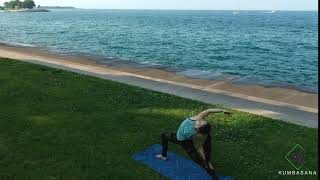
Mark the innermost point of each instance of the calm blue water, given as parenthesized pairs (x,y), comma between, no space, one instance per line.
(278,49)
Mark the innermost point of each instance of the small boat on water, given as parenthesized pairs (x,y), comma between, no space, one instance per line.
(270,12)
(236,12)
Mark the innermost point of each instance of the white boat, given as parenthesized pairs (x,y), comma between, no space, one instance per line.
(270,12)
(235,12)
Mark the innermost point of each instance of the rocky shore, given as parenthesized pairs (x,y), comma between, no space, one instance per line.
(28,10)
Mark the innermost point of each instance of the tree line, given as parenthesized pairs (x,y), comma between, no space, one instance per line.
(17,4)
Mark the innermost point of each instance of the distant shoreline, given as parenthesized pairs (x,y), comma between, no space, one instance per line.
(39,9)
(27,10)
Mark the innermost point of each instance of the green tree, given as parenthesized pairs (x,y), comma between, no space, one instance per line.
(5,5)
(14,4)
(29,4)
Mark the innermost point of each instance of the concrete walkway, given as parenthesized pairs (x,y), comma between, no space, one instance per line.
(300,115)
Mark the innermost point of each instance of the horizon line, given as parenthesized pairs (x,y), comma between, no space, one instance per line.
(189,9)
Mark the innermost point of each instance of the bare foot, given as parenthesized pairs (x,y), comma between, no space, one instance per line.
(159,156)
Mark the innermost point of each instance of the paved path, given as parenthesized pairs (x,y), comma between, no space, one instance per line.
(300,115)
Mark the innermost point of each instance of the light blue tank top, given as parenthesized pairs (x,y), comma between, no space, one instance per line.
(186,130)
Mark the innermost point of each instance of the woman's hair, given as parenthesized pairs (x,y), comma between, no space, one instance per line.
(206,130)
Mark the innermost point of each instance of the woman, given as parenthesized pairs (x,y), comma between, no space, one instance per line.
(194,135)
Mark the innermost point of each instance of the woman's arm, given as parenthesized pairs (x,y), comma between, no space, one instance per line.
(198,144)
(205,113)
(204,148)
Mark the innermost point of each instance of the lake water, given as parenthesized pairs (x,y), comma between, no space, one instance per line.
(277,49)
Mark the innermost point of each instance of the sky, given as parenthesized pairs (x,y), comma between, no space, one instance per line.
(186,4)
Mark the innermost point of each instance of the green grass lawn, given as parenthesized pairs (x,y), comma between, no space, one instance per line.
(61,125)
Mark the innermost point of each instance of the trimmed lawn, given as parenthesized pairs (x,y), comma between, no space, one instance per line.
(61,125)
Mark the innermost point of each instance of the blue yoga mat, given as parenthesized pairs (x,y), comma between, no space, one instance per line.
(176,167)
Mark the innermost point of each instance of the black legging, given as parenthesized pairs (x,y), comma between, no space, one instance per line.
(189,148)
